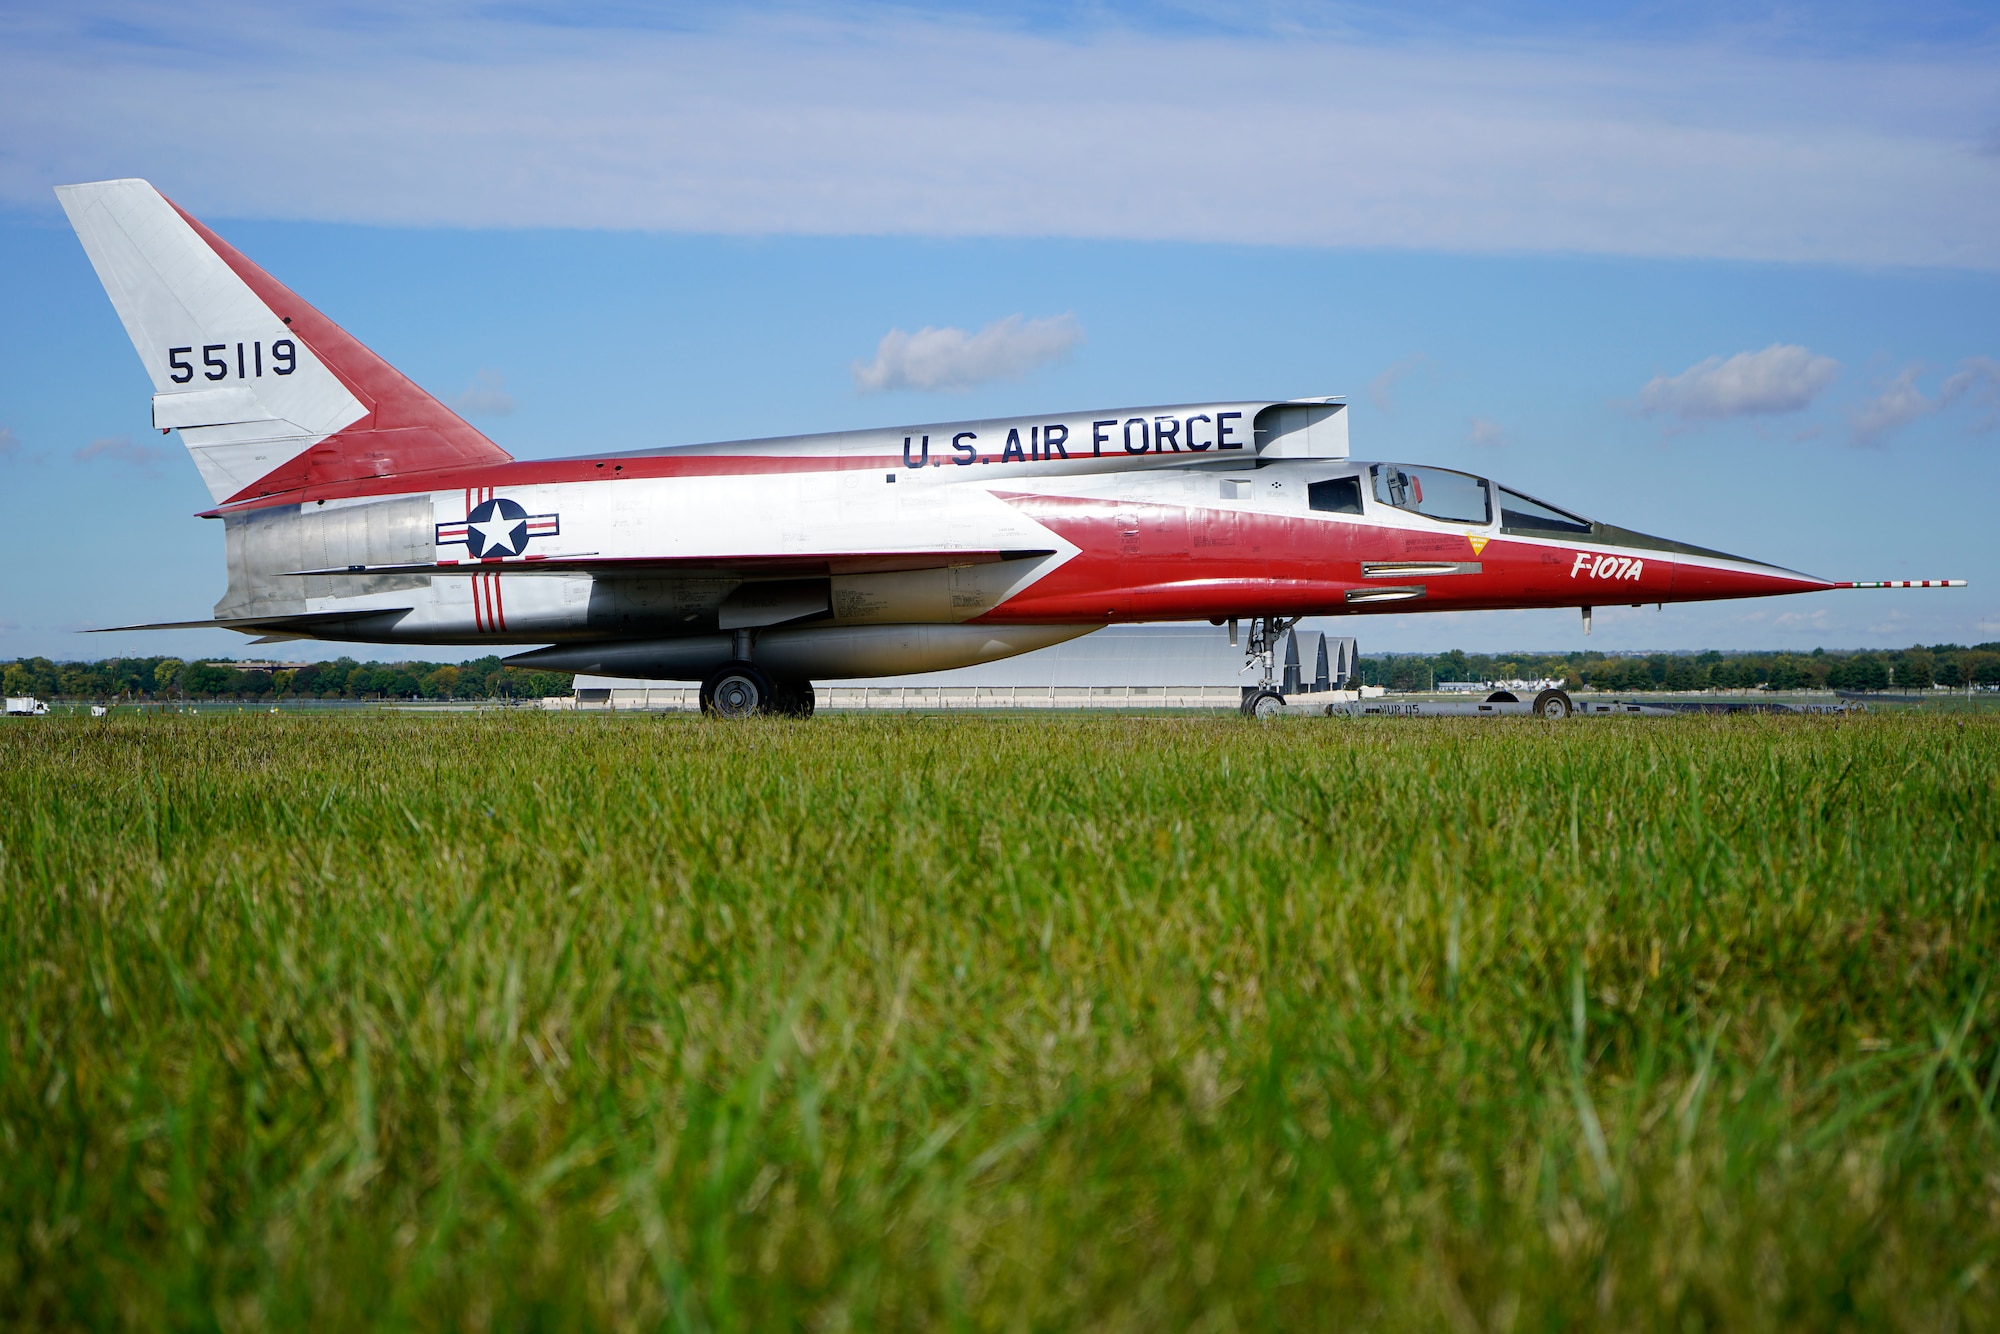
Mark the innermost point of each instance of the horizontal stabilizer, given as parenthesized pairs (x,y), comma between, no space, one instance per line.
(787,566)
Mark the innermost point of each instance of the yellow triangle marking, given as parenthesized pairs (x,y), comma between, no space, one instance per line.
(1478,544)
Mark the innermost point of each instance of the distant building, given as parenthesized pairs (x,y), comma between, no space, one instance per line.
(1149,665)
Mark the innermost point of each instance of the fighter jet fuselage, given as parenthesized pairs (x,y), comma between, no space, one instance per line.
(357,507)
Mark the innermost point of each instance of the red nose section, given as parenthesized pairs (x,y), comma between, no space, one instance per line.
(1696,580)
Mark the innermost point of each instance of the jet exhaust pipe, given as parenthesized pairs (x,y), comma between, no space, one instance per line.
(805,653)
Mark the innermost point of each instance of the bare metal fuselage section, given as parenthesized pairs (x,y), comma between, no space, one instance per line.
(856,554)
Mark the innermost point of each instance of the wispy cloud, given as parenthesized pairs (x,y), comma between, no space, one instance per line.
(486,396)
(1891,410)
(1976,381)
(1486,432)
(888,119)
(954,359)
(1784,377)
(1381,389)
(123,449)
(10,444)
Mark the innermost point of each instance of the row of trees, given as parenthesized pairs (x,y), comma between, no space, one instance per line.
(1915,668)
(342,678)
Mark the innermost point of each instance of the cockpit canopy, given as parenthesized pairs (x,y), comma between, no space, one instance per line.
(1435,493)
(1459,497)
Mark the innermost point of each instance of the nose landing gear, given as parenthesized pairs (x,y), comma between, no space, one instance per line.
(1263,704)
(1265,700)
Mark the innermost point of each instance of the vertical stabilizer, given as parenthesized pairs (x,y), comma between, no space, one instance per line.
(268,394)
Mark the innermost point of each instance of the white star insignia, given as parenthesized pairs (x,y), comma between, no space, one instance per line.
(496,536)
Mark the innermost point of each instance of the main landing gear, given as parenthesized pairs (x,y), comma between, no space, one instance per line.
(744,690)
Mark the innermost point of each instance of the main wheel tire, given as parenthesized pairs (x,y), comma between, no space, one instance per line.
(1263,705)
(794,699)
(1553,705)
(738,690)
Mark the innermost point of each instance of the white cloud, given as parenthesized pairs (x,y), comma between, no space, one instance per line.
(122,449)
(1784,377)
(1382,386)
(954,359)
(1485,432)
(1902,401)
(486,396)
(1891,410)
(893,121)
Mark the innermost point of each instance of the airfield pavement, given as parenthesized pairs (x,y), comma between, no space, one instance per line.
(564,1021)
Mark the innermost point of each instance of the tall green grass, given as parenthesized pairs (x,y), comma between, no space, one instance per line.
(512,1022)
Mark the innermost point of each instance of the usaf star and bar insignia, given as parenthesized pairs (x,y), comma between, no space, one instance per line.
(496,528)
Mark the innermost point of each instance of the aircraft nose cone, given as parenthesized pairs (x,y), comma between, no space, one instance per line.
(1703,572)
(1697,577)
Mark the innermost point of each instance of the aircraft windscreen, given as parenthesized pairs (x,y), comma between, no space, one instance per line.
(1435,493)
(1518,513)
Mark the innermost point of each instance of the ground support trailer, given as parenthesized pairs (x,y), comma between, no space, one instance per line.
(1554,705)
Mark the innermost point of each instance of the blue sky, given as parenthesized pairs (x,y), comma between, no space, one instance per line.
(1727,274)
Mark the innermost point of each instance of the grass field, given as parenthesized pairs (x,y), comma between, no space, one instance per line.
(544,1022)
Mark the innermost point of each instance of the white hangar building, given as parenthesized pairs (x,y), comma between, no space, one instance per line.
(1135,666)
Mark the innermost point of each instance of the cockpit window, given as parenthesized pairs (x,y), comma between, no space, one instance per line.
(1336,495)
(1519,514)
(1436,493)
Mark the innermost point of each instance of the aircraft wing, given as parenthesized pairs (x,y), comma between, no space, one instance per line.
(788,566)
(302,622)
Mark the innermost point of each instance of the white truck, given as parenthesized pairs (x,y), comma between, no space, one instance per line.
(24,706)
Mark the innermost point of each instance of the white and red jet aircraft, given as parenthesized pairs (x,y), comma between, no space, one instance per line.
(357,507)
